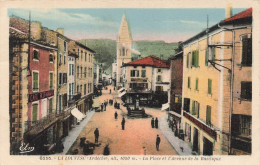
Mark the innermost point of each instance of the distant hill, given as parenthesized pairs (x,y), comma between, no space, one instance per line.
(106,50)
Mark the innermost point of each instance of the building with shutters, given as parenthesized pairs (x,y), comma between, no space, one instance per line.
(33,70)
(217,87)
(175,110)
(84,77)
(146,81)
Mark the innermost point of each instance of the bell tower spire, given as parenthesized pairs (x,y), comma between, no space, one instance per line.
(124,47)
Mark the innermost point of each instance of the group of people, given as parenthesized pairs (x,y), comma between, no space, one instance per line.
(117,105)
(104,106)
(154,123)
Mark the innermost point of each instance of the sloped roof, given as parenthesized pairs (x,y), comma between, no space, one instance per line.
(242,18)
(149,61)
(242,15)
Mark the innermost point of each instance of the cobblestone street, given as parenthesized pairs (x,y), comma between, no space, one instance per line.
(137,134)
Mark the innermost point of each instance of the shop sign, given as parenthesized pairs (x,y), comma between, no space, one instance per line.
(139,79)
(204,127)
(40,95)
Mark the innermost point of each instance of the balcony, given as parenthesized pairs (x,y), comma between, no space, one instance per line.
(139,90)
(35,127)
(74,98)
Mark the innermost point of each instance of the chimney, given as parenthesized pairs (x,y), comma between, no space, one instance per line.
(60,30)
(36,29)
(229,10)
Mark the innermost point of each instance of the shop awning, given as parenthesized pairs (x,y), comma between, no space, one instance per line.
(122,94)
(95,103)
(165,106)
(120,90)
(76,113)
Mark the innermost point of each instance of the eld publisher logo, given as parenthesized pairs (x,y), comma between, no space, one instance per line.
(25,148)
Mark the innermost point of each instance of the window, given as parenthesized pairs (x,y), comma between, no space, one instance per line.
(60,59)
(143,73)
(35,81)
(64,78)
(143,66)
(64,59)
(34,112)
(85,56)
(189,82)
(77,89)
(72,69)
(60,78)
(134,73)
(195,59)
(78,52)
(159,88)
(50,106)
(195,108)
(247,52)
(78,71)
(70,95)
(36,55)
(197,84)
(65,46)
(85,89)
(188,60)
(159,70)
(245,125)
(186,105)
(209,86)
(212,54)
(69,69)
(81,54)
(208,115)
(159,78)
(51,80)
(81,72)
(72,89)
(51,58)
(177,99)
(65,100)
(85,72)
(246,90)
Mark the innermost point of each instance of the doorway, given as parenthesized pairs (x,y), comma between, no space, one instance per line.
(195,146)
(207,147)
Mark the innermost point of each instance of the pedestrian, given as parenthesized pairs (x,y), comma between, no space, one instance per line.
(116,115)
(102,107)
(152,122)
(110,91)
(158,140)
(106,150)
(105,104)
(114,88)
(156,122)
(123,123)
(96,133)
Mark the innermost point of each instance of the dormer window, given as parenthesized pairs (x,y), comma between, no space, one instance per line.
(36,55)
(51,58)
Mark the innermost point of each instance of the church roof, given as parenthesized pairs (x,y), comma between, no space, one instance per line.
(149,61)
(124,32)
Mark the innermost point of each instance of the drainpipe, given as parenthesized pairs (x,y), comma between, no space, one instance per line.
(57,79)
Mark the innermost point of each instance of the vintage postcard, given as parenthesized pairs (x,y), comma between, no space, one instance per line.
(136,82)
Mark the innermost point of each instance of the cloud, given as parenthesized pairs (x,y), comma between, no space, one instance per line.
(60,16)
(192,22)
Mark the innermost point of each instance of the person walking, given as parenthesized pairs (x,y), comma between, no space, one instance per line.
(116,115)
(110,91)
(158,140)
(106,150)
(123,123)
(152,122)
(96,133)
(105,104)
(156,122)
(102,107)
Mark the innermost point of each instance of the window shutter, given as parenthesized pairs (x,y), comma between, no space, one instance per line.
(34,114)
(206,57)
(209,86)
(193,107)
(198,110)
(50,106)
(208,115)
(197,62)
(188,56)
(247,51)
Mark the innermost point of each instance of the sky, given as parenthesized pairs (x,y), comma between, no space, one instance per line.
(169,25)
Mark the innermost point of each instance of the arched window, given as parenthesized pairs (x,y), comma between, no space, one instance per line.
(51,58)
(36,55)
